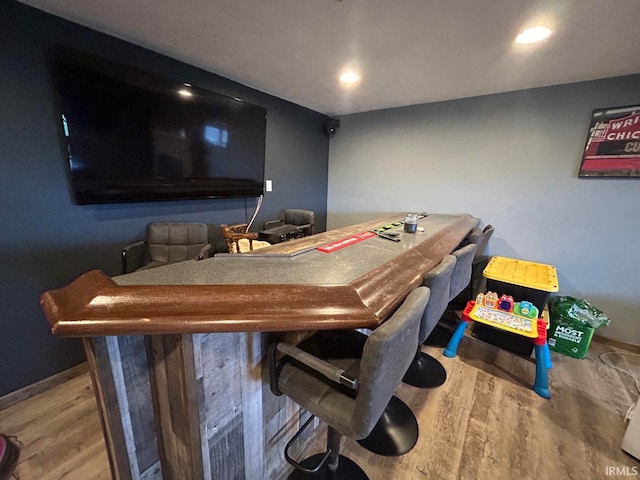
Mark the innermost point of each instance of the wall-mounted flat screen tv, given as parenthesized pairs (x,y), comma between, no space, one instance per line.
(133,136)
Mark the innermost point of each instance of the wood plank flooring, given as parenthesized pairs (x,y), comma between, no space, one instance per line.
(487,423)
(60,433)
(484,423)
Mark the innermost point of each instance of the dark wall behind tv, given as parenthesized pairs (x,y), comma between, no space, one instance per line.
(46,240)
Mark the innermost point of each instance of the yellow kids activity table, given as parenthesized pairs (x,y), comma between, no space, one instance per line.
(520,318)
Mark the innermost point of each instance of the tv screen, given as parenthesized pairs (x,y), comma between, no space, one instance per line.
(132,136)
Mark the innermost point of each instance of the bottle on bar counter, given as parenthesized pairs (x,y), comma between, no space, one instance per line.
(411,223)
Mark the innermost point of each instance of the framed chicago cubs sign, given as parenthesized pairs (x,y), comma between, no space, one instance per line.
(613,143)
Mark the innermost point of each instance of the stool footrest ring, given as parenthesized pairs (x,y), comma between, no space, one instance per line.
(298,465)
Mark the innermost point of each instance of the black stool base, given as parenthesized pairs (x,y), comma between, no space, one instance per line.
(425,372)
(347,470)
(396,432)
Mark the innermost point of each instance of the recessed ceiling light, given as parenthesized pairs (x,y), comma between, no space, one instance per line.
(350,77)
(185,93)
(532,35)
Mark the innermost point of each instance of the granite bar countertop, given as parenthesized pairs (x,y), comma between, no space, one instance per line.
(288,286)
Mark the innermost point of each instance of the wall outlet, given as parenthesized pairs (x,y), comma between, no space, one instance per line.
(268,185)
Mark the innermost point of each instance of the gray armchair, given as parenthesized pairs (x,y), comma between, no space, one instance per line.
(349,394)
(167,242)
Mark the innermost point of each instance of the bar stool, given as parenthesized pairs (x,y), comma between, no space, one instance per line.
(460,278)
(349,394)
(481,238)
(425,371)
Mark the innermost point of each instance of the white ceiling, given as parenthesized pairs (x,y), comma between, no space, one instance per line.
(409,51)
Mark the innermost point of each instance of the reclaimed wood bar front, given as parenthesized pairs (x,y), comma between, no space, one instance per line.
(176,352)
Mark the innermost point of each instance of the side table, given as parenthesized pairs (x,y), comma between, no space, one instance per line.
(281,233)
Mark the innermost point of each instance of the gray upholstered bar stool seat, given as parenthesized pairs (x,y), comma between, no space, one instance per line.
(426,371)
(349,394)
(481,239)
(460,279)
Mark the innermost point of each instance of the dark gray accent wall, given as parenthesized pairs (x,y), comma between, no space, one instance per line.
(47,241)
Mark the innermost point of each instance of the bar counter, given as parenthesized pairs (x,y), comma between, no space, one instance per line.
(176,352)
(354,287)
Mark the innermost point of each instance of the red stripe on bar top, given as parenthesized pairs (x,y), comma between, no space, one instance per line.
(345,242)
